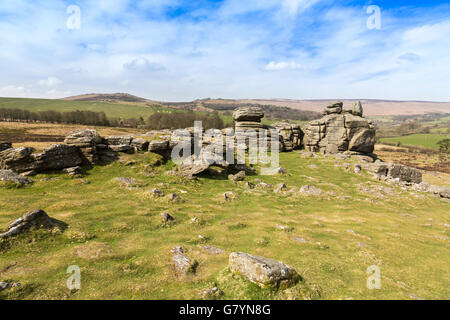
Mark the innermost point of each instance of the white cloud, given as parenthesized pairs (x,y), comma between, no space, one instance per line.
(296,6)
(12,91)
(142,64)
(50,82)
(282,65)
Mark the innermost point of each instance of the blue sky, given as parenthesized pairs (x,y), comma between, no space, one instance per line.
(178,50)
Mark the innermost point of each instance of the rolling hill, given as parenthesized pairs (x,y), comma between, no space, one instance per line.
(371,107)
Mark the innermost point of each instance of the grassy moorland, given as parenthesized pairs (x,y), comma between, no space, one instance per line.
(112,110)
(116,236)
(422,140)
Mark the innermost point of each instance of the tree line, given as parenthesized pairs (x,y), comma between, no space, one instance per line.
(51,116)
(157,121)
(179,120)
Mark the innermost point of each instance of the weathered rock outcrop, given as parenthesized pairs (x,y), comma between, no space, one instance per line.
(87,140)
(17,159)
(183,265)
(252,114)
(36,219)
(159,146)
(10,177)
(291,135)
(54,157)
(388,170)
(248,119)
(266,273)
(140,144)
(340,131)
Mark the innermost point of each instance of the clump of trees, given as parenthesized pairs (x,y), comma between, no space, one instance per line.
(70,117)
(178,120)
(444,146)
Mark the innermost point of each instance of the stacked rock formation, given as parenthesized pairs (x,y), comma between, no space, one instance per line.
(291,135)
(341,130)
(87,141)
(249,118)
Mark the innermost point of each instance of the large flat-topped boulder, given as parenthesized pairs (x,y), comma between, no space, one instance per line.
(339,132)
(119,140)
(58,156)
(83,138)
(54,157)
(87,141)
(254,114)
(17,159)
(266,273)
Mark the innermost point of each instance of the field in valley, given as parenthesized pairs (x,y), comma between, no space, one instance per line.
(422,140)
(117,238)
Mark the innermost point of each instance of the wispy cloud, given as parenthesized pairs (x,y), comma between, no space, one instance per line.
(282,65)
(180,50)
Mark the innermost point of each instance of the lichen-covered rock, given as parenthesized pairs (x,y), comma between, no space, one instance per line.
(74,171)
(159,146)
(17,159)
(192,166)
(404,173)
(394,171)
(229,196)
(335,107)
(119,140)
(7,285)
(291,135)
(363,141)
(266,273)
(357,109)
(183,265)
(36,218)
(340,132)
(310,191)
(127,182)
(87,140)
(140,144)
(83,138)
(252,114)
(10,177)
(240,176)
(56,157)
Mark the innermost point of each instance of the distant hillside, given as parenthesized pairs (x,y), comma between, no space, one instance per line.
(109,97)
(371,107)
(112,110)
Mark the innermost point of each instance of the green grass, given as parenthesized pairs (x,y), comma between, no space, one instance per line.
(112,110)
(422,140)
(116,237)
